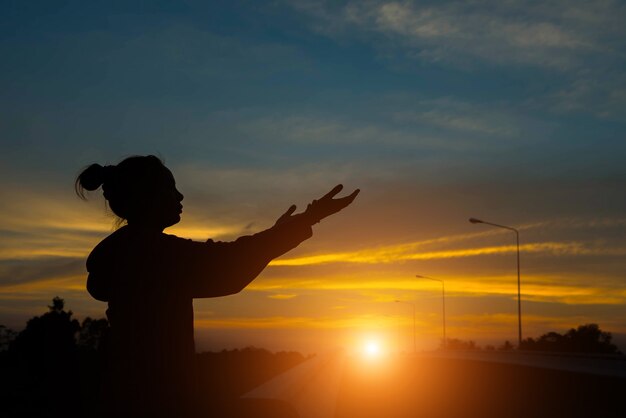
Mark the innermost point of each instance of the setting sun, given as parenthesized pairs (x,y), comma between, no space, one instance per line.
(372,349)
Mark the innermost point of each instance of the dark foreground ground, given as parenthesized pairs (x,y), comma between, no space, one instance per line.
(456,388)
(31,387)
(408,386)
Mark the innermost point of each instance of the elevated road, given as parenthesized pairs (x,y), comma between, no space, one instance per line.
(577,363)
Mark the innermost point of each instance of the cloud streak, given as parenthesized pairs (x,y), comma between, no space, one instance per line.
(392,254)
(556,34)
(535,288)
(580,40)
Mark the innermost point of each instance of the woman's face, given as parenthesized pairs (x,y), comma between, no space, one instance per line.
(164,203)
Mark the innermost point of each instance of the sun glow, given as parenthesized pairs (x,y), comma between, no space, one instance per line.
(372,349)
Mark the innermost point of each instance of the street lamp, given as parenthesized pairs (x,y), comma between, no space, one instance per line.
(519,297)
(443,299)
(413,306)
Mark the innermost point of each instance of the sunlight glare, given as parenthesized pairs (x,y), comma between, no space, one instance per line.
(371,349)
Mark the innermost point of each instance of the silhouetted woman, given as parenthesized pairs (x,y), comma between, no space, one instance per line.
(149,280)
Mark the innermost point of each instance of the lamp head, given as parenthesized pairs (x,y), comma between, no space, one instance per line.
(475,221)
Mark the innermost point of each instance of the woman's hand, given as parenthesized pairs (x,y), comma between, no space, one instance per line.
(287,215)
(326,205)
(320,208)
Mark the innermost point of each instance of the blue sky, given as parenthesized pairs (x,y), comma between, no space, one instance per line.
(520,82)
(509,110)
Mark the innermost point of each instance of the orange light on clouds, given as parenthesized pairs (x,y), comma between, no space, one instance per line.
(406,252)
(337,291)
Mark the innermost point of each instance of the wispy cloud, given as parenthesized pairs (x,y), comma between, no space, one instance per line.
(507,33)
(393,254)
(465,117)
(580,39)
(312,322)
(563,289)
(282,296)
(388,132)
(473,326)
(45,289)
(602,94)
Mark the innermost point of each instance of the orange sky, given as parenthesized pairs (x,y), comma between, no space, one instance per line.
(342,284)
(513,112)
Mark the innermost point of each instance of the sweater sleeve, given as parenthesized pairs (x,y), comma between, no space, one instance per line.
(210,269)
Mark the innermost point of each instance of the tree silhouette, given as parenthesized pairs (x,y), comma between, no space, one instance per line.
(49,335)
(57,305)
(7,335)
(92,333)
(46,351)
(588,338)
(456,344)
(507,346)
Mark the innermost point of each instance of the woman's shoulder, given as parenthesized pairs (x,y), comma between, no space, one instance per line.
(110,243)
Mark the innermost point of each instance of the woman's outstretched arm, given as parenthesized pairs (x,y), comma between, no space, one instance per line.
(222,268)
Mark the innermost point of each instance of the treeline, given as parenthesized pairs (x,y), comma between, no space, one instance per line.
(588,338)
(53,367)
(54,330)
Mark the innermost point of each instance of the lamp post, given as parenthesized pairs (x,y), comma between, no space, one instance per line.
(443,300)
(519,297)
(413,306)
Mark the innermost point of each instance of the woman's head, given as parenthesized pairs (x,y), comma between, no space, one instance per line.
(139,189)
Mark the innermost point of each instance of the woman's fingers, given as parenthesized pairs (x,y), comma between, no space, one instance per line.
(333,192)
(326,206)
(290,211)
(346,200)
(342,202)
(352,196)
(287,214)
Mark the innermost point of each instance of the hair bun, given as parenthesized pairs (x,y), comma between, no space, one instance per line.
(92,177)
